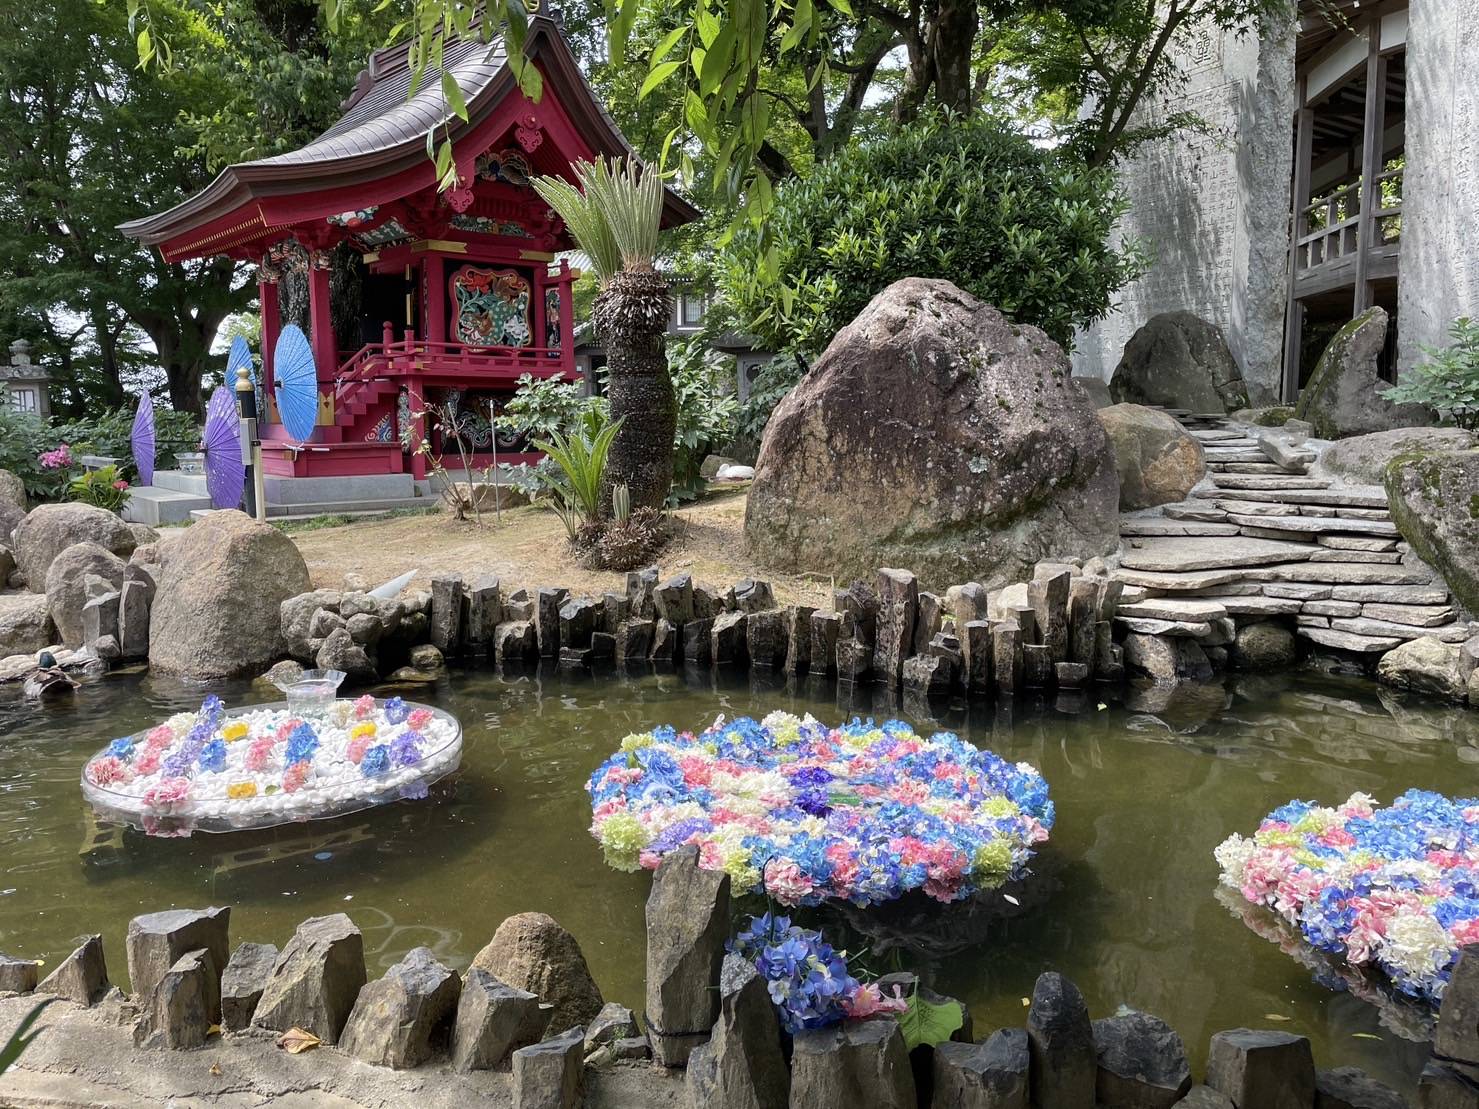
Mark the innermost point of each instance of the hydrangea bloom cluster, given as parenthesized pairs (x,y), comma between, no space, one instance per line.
(207,763)
(1394,890)
(803,812)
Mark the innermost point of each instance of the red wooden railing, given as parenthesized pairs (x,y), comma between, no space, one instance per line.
(410,356)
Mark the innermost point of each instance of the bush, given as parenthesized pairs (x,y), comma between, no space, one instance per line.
(101,488)
(706,412)
(1448,382)
(1022,228)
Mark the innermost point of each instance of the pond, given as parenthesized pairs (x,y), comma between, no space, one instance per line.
(1124,901)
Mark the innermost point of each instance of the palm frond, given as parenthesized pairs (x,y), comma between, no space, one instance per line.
(615,215)
(587,223)
(581,459)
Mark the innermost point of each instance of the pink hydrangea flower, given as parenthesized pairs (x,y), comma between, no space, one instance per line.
(418,719)
(355,752)
(147,761)
(168,793)
(259,754)
(786,883)
(108,771)
(365,705)
(294,777)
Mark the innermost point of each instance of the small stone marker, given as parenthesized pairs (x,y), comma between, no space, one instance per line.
(1142,1063)
(81,977)
(989,1075)
(551,1074)
(687,924)
(175,1014)
(316,979)
(1272,1070)
(494,1020)
(1061,1042)
(741,1067)
(18,975)
(399,1019)
(860,1063)
(446,613)
(156,941)
(242,983)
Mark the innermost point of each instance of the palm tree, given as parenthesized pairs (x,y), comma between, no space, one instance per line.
(615,216)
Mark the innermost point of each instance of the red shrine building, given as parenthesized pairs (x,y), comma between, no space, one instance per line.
(461,290)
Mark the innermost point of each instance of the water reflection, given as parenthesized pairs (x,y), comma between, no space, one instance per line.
(1122,899)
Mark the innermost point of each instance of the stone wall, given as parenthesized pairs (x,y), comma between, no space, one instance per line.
(1212,207)
(1440,203)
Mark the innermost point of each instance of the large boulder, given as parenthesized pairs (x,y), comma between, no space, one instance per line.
(1179,360)
(66,586)
(1363,459)
(218,609)
(1158,462)
(50,529)
(530,951)
(1434,500)
(1428,665)
(933,433)
(1342,397)
(12,490)
(25,624)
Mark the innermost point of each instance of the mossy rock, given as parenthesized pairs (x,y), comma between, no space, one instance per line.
(1434,500)
(1342,396)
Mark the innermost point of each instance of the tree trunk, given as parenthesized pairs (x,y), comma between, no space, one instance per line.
(940,49)
(631,317)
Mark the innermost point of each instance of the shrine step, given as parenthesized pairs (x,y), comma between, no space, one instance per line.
(156,506)
(308,510)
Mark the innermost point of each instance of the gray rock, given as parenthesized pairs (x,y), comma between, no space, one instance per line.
(990,459)
(218,609)
(1272,1070)
(547,603)
(484,611)
(1458,1017)
(665,642)
(577,622)
(614,1022)
(641,585)
(728,639)
(928,621)
(12,490)
(698,642)
(133,619)
(493,1020)
(930,675)
(1205,1097)
(1263,646)
(100,618)
(633,1049)
(854,659)
(156,941)
(1061,1041)
(243,981)
(49,529)
(1428,665)
(1166,659)
(1157,460)
(1445,1085)
(1343,394)
(551,1074)
(796,626)
(673,600)
(1095,389)
(296,617)
(1142,1063)
(17,975)
(1179,360)
(989,1075)
(766,640)
(742,1066)
(66,586)
(82,977)
(365,629)
(514,641)
(687,923)
(424,656)
(1431,503)
(25,625)
(176,1011)
(1363,459)
(751,595)
(1353,1088)
(399,1020)
(1006,655)
(634,640)
(898,611)
(860,1063)
(708,601)
(341,652)
(316,979)
(446,612)
(532,952)
(822,651)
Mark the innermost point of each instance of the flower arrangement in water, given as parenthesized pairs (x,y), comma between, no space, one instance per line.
(265,762)
(1394,890)
(803,812)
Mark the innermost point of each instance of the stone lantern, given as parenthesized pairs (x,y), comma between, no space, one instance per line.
(26,386)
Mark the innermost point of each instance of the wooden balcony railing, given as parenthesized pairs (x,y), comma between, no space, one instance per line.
(408,356)
(1329,229)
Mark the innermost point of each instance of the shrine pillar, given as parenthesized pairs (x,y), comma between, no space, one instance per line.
(567,316)
(320,319)
(268,278)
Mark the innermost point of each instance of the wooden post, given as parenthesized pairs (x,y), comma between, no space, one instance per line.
(567,318)
(434,310)
(1371,150)
(1304,127)
(267,285)
(320,321)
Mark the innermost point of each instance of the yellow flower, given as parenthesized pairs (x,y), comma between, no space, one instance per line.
(999,808)
(622,838)
(364,727)
(992,864)
(635,741)
(237,729)
(241,789)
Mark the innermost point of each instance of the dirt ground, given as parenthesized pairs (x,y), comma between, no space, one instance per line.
(529,549)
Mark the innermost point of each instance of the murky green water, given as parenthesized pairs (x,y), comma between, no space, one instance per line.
(1144,792)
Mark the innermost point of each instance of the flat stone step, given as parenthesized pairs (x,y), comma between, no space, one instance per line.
(1211,553)
(1194,510)
(1222,435)
(1364,625)
(1419,616)
(1260,606)
(1325,554)
(1176,628)
(1422,594)
(1173,608)
(1356,543)
(1270,529)
(1353,513)
(1297,590)
(1346,641)
(1331,608)
(1249,468)
(1340,573)
(1314,525)
(1272,482)
(1353,496)
(1154,525)
(1162,581)
(1234,454)
(1256,508)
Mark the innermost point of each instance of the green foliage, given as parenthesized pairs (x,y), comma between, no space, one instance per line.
(773,381)
(1448,381)
(1023,228)
(614,216)
(926,1022)
(25,437)
(101,488)
(544,406)
(580,458)
(22,1037)
(707,409)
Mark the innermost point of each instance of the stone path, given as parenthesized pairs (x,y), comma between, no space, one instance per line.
(1263,537)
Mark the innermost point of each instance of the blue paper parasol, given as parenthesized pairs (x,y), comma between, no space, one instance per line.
(240,355)
(141,439)
(225,472)
(297,383)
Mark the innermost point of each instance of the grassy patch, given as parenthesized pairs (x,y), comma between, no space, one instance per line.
(340,519)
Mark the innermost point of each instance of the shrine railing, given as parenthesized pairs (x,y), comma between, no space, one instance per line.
(410,355)
(1330,228)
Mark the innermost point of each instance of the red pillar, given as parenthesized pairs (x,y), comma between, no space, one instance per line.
(320,322)
(434,306)
(537,291)
(567,318)
(267,280)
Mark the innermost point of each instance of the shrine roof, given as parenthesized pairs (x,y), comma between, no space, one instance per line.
(380,142)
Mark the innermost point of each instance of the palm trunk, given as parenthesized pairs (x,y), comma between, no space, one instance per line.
(631,317)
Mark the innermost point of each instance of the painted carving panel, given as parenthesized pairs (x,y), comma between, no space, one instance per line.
(490,308)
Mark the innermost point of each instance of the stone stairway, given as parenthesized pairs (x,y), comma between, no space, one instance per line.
(1262,538)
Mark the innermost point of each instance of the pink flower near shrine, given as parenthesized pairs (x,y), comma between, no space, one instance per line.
(364,705)
(147,761)
(259,754)
(168,793)
(120,484)
(57,459)
(160,736)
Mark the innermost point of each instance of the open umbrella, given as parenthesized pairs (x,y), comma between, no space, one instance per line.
(225,471)
(240,355)
(141,439)
(297,383)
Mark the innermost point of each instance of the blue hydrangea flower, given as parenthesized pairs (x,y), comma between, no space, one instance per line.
(122,748)
(213,756)
(302,744)
(396,710)
(376,761)
(404,750)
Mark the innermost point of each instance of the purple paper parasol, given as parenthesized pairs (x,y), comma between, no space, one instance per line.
(141,439)
(225,472)
(297,383)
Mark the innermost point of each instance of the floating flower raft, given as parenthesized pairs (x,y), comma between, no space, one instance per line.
(216,771)
(803,812)
(1392,890)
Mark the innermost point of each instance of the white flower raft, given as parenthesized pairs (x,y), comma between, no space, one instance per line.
(263,765)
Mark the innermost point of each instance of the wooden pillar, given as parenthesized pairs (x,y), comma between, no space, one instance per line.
(267,286)
(320,320)
(1367,233)
(1304,128)
(434,304)
(567,318)
(541,283)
